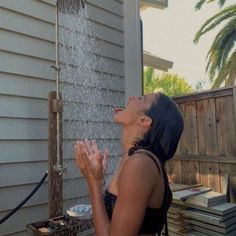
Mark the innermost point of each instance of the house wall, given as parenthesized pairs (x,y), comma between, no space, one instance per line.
(27,50)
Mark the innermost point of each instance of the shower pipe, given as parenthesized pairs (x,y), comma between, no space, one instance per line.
(61,6)
(58,166)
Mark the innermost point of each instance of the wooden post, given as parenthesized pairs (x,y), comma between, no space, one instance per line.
(55,193)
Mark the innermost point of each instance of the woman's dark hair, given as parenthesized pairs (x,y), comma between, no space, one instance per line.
(167,126)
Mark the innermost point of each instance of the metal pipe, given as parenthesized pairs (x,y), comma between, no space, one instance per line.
(59,160)
(58,166)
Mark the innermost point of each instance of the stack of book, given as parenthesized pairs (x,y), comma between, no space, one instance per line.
(215,220)
(177,224)
(199,211)
(207,199)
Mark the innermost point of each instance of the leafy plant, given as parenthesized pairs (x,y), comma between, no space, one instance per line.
(168,83)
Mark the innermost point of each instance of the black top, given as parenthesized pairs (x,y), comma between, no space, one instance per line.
(154,218)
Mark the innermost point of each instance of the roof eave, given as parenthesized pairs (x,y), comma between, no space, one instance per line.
(156,62)
(154,3)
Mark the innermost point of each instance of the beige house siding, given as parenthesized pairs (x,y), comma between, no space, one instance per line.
(27,50)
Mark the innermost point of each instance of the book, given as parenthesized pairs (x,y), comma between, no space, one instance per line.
(184,194)
(207,199)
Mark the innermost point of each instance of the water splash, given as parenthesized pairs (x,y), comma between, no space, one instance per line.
(90,92)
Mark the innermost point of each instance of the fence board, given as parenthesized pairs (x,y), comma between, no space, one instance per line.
(190,175)
(234,104)
(173,169)
(209,175)
(191,128)
(183,140)
(210,127)
(228,169)
(231,127)
(225,126)
(201,128)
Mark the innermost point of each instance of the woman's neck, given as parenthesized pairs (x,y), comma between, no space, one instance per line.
(129,136)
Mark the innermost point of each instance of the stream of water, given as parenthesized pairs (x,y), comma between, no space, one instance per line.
(90,92)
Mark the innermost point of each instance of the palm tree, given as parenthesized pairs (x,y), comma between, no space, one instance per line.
(221,64)
(200,3)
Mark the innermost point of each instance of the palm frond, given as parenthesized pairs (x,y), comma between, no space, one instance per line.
(212,65)
(226,72)
(221,48)
(232,70)
(221,3)
(215,20)
(199,5)
(231,78)
(223,43)
(227,46)
(220,78)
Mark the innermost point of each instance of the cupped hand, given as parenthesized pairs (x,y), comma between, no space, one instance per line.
(91,161)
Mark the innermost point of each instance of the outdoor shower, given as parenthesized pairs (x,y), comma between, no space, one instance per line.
(67,7)
(56,167)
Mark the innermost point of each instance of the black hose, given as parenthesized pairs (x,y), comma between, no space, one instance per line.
(25,200)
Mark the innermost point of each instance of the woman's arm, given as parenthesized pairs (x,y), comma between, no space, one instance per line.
(135,185)
(92,164)
(100,219)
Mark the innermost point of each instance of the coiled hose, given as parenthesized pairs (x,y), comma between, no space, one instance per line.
(25,200)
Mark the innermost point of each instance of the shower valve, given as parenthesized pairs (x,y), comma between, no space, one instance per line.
(60,169)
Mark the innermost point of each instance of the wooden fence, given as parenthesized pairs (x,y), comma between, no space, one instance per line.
(207,150)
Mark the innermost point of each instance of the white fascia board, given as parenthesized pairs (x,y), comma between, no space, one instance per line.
(160,4)
(156,62)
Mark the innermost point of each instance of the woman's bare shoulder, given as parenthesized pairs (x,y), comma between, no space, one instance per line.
(141,166)
(142,160)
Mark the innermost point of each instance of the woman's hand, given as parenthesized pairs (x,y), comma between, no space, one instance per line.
(91,161)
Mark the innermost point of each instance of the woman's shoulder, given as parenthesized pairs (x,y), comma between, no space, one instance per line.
(147,156)
(140,163)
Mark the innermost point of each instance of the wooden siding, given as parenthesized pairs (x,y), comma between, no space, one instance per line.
(207,152)
(27,50)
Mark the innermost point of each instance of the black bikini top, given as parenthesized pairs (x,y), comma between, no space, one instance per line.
(154,218)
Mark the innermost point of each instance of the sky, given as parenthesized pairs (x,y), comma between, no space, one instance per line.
(169,33)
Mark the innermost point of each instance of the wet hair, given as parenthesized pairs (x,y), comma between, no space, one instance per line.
(164,134)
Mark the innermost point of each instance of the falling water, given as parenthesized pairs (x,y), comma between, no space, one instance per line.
(90,92)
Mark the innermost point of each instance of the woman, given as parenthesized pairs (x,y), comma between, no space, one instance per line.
(138,197)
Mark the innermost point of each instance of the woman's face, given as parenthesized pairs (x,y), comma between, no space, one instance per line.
(134,109)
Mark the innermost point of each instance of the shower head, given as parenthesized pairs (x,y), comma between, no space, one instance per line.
(70,6)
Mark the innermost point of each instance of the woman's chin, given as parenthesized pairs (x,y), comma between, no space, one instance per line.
(116,119)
